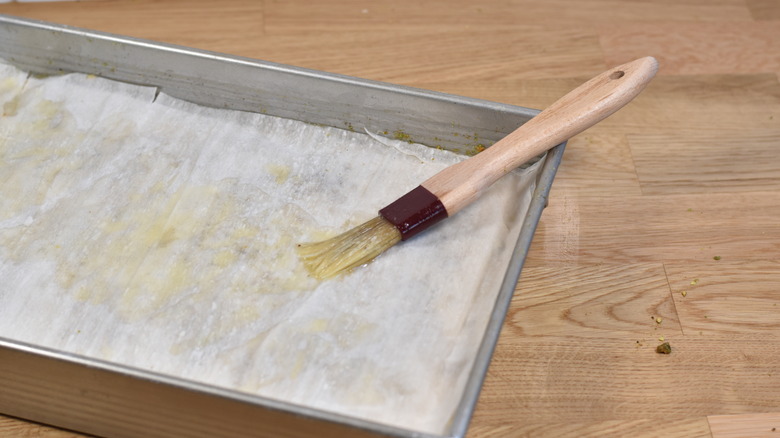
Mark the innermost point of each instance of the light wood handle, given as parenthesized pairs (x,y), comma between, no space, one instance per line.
(460,184)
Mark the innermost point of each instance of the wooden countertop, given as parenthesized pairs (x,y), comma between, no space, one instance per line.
(664,220)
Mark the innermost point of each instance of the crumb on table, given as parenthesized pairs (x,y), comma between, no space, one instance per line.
(664,348)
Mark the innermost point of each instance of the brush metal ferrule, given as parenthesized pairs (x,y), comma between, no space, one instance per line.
(414,212)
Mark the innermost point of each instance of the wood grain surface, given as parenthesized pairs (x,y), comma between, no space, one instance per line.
(664,220)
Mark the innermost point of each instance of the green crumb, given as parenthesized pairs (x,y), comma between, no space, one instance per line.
(716,258)
(475,150)
(400,135)
(664,348)
(40,75)
(690,209)
(350,127)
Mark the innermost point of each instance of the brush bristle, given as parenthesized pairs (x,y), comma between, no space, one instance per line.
(350,249)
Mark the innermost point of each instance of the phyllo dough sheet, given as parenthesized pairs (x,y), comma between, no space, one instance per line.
(147,231)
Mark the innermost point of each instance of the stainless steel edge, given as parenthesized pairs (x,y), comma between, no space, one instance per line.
(64,385)
(108,399)
(479,369)
(212,79)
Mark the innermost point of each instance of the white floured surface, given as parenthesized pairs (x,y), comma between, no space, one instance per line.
(160,235)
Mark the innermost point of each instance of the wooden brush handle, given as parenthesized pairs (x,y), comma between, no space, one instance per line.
(460,184)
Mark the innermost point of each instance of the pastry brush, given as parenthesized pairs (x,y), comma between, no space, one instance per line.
(457,186)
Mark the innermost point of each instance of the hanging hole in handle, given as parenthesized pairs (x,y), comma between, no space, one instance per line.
(617,75)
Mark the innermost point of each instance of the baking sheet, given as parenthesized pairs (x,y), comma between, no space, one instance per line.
(155,233)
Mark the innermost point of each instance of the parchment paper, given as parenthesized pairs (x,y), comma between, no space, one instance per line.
(151,232)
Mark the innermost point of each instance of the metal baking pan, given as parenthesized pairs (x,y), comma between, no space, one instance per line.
(110,399)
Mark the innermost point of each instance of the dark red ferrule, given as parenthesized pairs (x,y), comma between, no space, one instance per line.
(414,212)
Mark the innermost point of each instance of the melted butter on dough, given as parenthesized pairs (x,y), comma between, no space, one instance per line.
(280,173)
(33,153)
(200,242)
